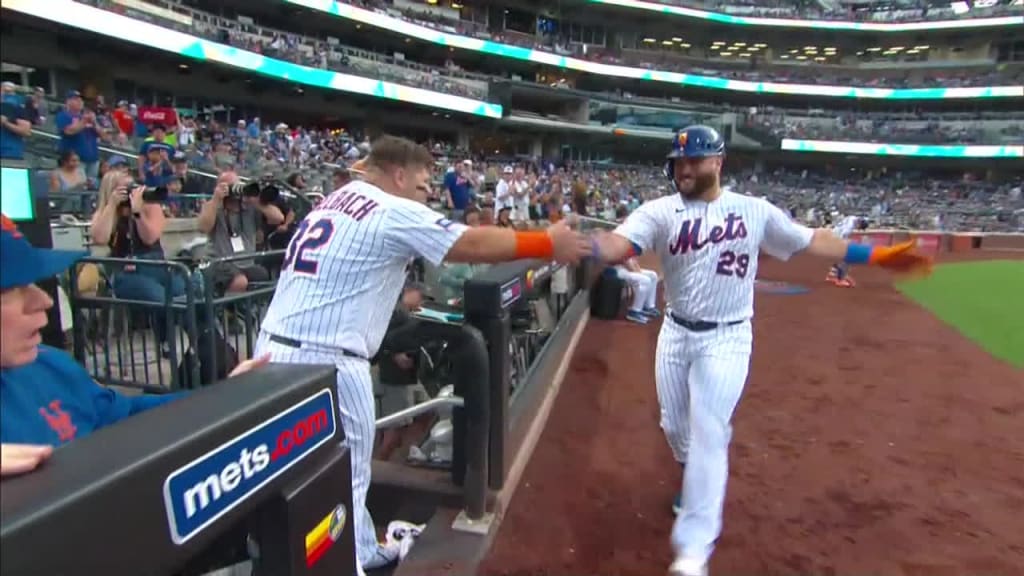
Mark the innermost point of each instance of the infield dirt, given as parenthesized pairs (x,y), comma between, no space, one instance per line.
(871,439)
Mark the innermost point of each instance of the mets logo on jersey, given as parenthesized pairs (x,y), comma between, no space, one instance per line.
(444,223)
(689,238)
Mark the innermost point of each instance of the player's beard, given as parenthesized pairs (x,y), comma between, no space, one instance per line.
(702,183)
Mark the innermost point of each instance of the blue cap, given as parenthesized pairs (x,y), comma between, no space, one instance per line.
(697,142)
(116,160)
(22,264)
(73,94)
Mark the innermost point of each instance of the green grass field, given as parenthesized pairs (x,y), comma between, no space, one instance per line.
(983,300)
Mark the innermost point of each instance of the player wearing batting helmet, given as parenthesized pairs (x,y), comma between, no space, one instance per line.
(708,241)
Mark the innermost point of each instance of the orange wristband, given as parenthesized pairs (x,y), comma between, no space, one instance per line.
(534,245)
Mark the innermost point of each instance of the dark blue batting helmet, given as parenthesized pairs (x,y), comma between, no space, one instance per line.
(694,142)
(697,142)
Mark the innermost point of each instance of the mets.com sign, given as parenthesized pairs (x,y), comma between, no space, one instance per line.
(200,492)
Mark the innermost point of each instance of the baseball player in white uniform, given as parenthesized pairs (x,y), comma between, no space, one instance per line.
(838,274)
(645,291)
(708,243)
(343,272)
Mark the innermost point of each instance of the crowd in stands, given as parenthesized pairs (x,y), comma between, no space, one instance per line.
(904,200)
(330,54)
(899,11)
(658,60)
(314,161)
(851,128)
(323,53)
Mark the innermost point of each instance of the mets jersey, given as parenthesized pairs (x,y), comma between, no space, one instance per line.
(845,226)
(709,250)
(345,267)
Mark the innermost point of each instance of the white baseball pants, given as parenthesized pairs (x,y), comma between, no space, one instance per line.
(357,412)
(645,287)
(700,377)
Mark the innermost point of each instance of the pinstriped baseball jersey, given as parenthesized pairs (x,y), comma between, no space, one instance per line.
(709,250)
(345,267)
(845,226)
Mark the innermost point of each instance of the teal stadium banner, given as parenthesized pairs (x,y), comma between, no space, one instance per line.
(386,22)
(959,24)
(70,13)
(921,150)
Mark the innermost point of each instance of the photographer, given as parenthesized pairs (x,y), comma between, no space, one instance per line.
(130,220)
(277,236)
(231,221)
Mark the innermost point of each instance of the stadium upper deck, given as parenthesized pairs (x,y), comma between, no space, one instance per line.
(773,63)
(848,15)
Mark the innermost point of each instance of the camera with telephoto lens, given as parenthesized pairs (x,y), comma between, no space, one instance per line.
(151,194)
(265,192)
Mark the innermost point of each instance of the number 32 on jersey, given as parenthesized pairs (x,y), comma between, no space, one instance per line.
(310,237)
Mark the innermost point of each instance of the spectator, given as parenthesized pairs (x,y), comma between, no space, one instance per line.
(521,195)
(176,205)
(503,190)
(131,224)
(186,132)
(80,134)
(157,168)
(231,221)
(124,121)
(69,177)
(505,218)
(277,236)
(458,185)
(452,276)
(192,184)
(15,125)
(114,162)
(35,107)
(46,398)
(156,144)
(471,217)
(104,121)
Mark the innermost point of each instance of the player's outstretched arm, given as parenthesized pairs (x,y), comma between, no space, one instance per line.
(898,258)
(612,248)
(487,244)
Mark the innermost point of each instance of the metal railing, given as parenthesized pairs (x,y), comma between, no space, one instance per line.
(192,337)
(135,343)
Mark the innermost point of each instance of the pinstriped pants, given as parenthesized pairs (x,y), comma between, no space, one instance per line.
(700,377)
(357,412)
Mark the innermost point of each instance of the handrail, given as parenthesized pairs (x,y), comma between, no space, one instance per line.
(128,154)
(398,418)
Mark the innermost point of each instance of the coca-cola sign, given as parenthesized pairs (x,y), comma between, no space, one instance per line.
(158,115)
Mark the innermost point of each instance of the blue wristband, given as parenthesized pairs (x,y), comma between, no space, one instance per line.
(858,254)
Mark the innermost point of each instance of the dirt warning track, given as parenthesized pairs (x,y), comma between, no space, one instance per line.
(871,439)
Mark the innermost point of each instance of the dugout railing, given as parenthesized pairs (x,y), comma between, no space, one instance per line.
(194,336)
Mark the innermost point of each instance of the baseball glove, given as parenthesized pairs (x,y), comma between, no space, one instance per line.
(902,259)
